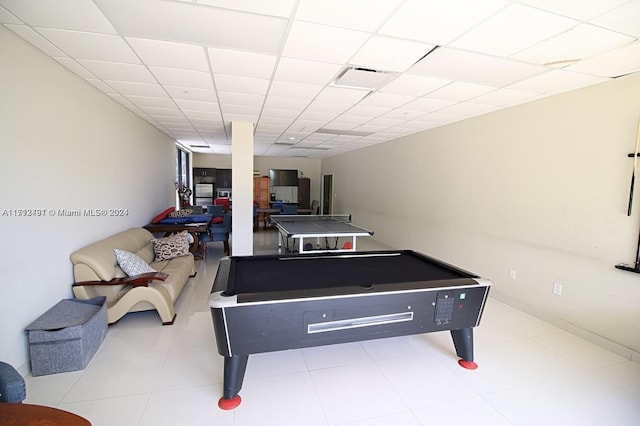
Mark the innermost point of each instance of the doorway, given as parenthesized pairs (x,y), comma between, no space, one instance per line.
(327,194)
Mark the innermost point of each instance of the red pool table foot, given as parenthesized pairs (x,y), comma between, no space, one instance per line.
(469,365)
(229,404)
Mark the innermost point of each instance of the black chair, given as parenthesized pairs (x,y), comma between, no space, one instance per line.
(289,209)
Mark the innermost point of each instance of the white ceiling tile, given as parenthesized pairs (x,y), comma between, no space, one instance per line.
(322,43)
(104,87)
(413,85)
(144,101)
(118,71)
(54,14)
(246,64)
(347,14)
(8,18)
(282,8)
(170,55)
(387,100)
(197,24)
(439,21)
(83,45)
(240,84)
(621,61)
(240,99)
(275,122)
(303,71)
(506,97)
(315,115)
(243,118)
(333,108)
(183,78)
(36,39)
(578,9)
(474,67)
(340,94)
(278,102)
(578,43)
(204,116)
(425,105)
(385,122)
(352,119)
(285,89)
(203,95)
(556,81)
(458,91)
(390,54)
(307,125)
(162,112)
(370,111)
(76,68)
(273,115)
(513,29)
(625,19)
(137,89)
(189,105)
(252,110)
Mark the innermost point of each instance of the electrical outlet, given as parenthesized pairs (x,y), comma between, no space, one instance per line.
(557,289)
(512,274)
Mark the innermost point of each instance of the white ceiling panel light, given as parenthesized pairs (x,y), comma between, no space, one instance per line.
(84,45)
(170,55)
(85,17)
(224,61)
(340,13)
(512,30)
(439,21)
(474,67)
(184,22)
(322,43)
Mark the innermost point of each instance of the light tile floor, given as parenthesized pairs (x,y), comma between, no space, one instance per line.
(530,373)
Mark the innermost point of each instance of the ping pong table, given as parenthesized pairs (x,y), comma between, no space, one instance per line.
(320,227)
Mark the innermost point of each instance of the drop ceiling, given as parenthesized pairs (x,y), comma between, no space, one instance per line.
(190,68)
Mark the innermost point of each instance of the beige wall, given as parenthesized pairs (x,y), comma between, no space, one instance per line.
(65,145)
(310,167)
(540,189)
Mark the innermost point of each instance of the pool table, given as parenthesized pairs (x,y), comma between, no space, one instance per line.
(275,302)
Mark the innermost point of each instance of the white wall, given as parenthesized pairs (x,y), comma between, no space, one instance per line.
(65,145)
(540,189)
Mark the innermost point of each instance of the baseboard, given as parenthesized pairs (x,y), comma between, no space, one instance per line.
(543,315)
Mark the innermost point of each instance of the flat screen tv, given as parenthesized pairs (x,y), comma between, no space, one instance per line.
(280,177)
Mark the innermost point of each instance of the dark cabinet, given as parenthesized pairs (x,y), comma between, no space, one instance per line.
(223,178)
(304,193)
(203,175)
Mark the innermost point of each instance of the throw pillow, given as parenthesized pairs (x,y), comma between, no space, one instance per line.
(180,213)
(169,247)
(132,264)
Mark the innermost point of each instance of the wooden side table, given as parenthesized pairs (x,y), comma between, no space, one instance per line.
(37,415)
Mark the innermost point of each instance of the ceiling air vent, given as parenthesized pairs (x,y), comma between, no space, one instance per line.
(361,78)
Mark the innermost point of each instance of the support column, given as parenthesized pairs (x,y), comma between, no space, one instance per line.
(242,181)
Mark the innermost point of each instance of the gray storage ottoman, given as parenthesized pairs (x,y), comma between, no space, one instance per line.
(66,337)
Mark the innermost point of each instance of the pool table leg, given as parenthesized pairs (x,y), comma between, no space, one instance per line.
(234,368)
(463,342)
